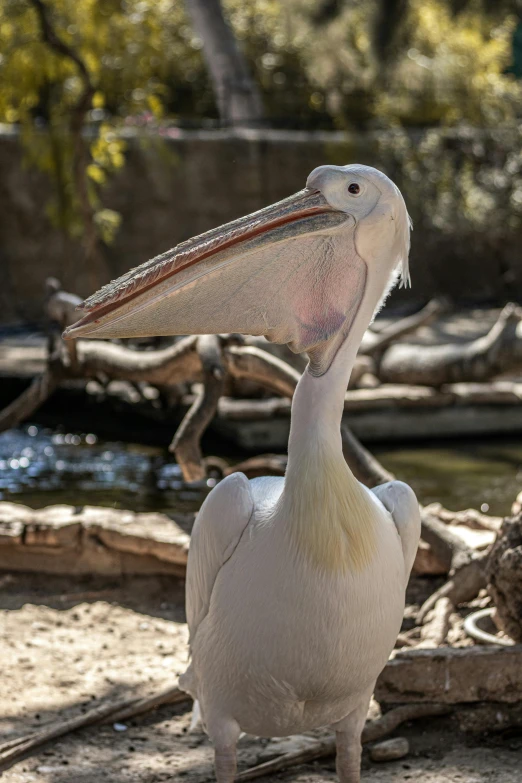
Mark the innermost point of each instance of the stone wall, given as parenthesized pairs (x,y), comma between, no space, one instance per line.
(173,189)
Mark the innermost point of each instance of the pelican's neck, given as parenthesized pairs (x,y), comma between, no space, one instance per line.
(327,513)
(318,405)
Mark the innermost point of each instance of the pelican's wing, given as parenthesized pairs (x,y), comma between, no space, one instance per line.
(221,521)
(400,500)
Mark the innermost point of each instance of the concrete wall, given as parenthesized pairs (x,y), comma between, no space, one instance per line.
(171,190)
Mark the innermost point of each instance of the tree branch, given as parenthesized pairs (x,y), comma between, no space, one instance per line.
(28,401)
(254,364)
(186,442)
(363,464)
(375,343)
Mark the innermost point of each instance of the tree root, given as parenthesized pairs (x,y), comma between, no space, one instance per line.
(374,730)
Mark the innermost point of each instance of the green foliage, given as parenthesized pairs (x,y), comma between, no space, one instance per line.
(465,183)
(445,68)
(132,50)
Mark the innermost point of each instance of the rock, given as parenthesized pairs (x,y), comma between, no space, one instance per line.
(504,576)
(390,750)
(452,675)
(63,539)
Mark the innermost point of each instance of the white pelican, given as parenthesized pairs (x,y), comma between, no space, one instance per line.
(295,586)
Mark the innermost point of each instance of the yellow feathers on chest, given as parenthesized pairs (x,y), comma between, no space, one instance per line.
(330,517)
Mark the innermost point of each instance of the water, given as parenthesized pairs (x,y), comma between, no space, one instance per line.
(486,475)
(39,467)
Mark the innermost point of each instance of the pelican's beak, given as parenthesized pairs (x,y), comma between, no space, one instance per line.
(257,275)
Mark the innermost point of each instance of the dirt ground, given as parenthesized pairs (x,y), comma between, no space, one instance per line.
(68,645)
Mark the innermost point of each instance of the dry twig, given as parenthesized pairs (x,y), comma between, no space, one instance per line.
(15,749)
(373,731)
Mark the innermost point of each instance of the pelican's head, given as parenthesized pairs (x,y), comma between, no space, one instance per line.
(300,272)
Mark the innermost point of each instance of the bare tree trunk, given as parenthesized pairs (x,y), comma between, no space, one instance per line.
(237,96)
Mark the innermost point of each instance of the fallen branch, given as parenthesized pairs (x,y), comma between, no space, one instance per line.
(169,366)
(253,364)
(263,465)
(469,517)
(374,730)
(447,547)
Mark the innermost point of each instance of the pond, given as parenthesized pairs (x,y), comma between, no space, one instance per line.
(40,467)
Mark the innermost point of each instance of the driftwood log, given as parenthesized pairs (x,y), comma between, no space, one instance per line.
(106,541)
(208,361)
(498,352)
(215,361)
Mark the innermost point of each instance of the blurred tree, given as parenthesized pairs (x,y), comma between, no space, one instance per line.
(79,150)
(238,98)
(72,74)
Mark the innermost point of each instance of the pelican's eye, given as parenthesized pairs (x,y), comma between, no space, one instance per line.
(354,188)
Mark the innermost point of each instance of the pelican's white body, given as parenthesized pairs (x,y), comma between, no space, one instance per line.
(287,646)
(295,587)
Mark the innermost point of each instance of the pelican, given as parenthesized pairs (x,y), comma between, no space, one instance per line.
(295,586)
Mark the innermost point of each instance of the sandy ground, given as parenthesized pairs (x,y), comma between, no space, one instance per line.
(65,646)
